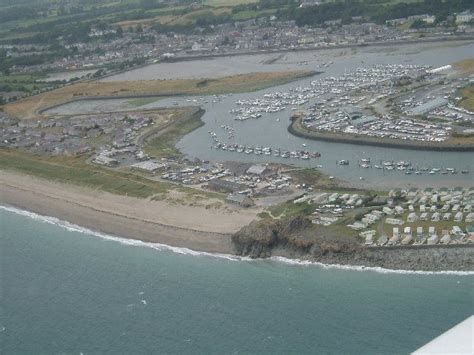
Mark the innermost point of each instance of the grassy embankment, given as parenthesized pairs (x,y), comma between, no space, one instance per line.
(30,107)
(164,145)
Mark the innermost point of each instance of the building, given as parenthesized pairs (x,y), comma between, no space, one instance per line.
(225,185)
(429,106)
(257,169)
(429,19)
(464,17)
(148,166)
(240,199)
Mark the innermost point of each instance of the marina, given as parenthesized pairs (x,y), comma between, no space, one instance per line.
(264,131)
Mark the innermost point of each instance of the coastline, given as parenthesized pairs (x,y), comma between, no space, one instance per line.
(177,225)
(197,230)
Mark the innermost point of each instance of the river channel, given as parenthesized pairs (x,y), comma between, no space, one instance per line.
(271,129)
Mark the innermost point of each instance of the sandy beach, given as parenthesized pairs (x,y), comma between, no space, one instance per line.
(177,225)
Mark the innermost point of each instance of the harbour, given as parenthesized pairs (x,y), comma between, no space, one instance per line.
(199,143)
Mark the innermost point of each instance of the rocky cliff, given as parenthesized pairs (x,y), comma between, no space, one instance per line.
(297,238)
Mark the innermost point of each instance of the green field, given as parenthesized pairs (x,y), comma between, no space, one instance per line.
(74,170)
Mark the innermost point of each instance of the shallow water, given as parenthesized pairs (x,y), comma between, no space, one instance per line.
(345,58)
(64,290)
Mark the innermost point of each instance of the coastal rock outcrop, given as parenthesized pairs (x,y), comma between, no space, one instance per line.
(296,238)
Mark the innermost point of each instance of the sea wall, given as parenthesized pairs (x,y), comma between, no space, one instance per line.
(297,131)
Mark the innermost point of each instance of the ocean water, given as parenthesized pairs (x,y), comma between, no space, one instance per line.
(64,290)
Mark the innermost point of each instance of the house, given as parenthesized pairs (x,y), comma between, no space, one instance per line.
(240,199)
(464,17)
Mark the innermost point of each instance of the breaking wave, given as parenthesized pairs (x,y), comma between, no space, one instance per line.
(186,251)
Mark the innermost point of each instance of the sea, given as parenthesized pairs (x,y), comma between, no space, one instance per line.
(69,290)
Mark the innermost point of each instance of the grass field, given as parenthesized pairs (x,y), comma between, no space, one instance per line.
(74,170)
(30,107)
(22,82)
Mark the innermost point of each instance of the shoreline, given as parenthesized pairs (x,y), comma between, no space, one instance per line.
(233,257)
(296,50)
(140,219)
(194,229)
(295,129)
